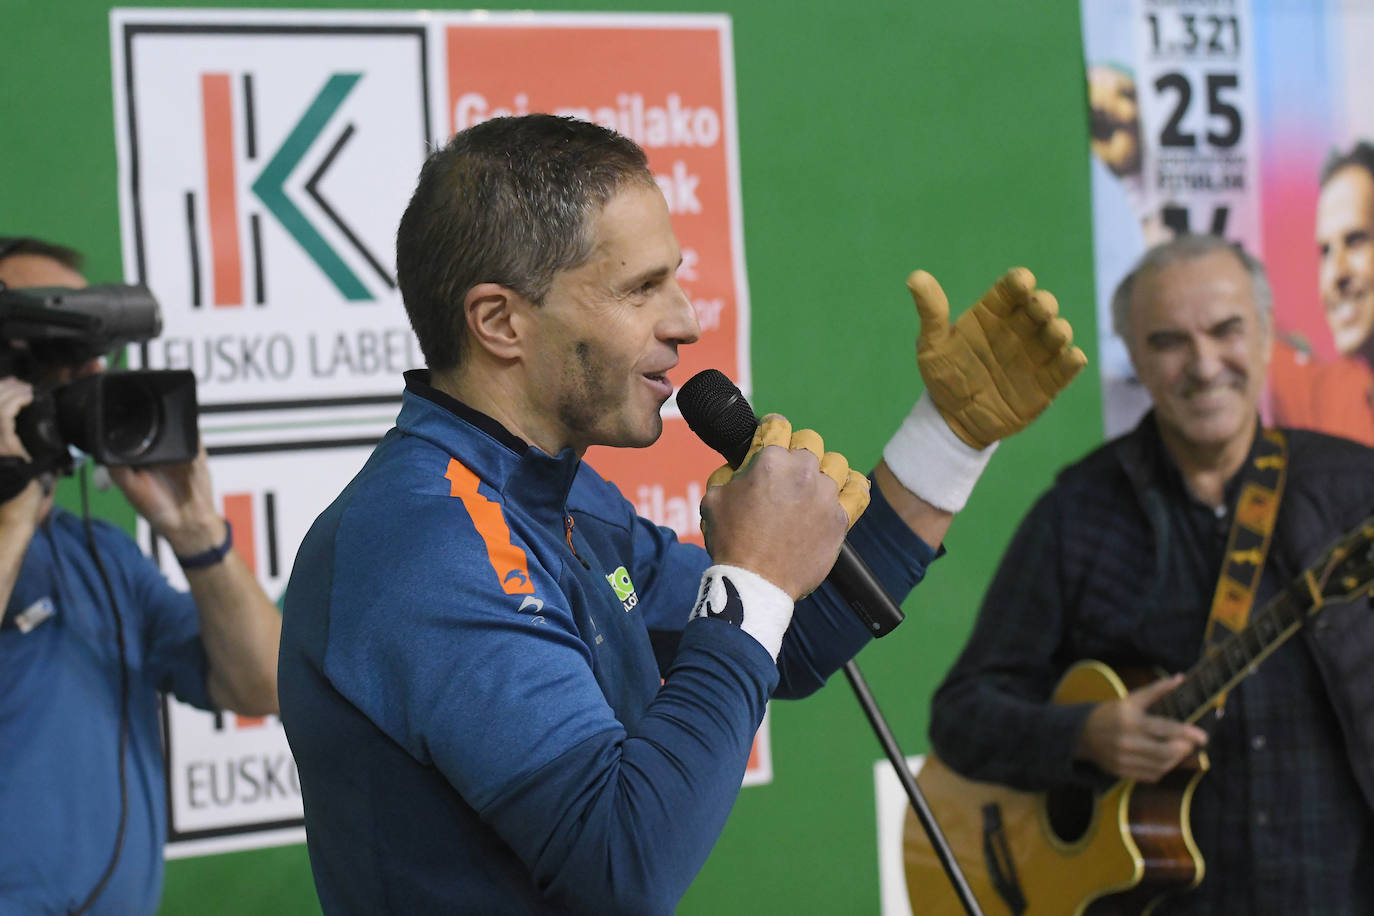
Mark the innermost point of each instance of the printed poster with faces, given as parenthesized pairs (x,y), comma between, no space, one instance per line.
(1219,116)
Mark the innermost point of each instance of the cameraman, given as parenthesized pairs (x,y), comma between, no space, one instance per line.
(81,778)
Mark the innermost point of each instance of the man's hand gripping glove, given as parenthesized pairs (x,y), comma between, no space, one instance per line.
(987,376)
(739,596)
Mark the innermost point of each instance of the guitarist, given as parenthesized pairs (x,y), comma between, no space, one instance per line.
(1119,562)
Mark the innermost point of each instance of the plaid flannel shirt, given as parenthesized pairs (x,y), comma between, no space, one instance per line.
(1118,562)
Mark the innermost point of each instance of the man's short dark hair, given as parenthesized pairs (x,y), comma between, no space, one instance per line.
(1361,155)
(11,245)
(507,201)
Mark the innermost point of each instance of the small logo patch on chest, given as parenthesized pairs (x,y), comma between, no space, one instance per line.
(622,586)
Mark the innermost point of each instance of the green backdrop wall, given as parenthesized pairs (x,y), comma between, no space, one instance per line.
(874,138)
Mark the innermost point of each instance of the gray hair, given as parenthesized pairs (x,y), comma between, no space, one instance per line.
(1187,247)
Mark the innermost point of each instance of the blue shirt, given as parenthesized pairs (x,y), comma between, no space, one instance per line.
(474,638)
(60,714)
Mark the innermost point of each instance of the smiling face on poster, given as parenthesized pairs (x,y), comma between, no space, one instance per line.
(1223,117)
(1345,244)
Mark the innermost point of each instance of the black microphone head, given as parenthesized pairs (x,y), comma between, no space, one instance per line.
(718,412)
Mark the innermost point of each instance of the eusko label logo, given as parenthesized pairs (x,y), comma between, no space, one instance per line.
(224,136)
(264,168)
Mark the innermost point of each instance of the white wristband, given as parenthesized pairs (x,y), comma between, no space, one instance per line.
(747,600)
(926,456)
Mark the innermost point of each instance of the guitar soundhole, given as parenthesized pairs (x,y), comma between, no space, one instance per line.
(1070,812)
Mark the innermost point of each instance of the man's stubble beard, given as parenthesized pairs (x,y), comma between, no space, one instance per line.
(587,398)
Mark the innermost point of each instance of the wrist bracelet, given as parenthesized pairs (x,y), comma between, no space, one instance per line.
(213,555)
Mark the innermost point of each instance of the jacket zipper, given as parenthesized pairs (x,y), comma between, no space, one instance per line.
(570,544)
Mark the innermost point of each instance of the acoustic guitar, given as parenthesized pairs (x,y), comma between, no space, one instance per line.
(1076,852)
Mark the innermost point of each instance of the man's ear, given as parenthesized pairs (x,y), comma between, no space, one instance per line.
(492,313)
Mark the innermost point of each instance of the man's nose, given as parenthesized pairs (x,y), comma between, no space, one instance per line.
(1207,362)
(1339,266)
(680,325)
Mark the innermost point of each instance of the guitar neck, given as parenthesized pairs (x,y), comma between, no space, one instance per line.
(1222,667)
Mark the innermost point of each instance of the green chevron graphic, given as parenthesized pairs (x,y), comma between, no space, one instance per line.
(270,186)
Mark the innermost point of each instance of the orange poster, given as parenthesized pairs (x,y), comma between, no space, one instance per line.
(666,82)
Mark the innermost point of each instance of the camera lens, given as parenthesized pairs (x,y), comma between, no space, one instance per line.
(133,421)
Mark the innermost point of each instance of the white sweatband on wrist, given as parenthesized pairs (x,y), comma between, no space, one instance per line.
(747,600)
(927,458)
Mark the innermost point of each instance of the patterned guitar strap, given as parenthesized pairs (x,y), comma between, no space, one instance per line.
(1252,529)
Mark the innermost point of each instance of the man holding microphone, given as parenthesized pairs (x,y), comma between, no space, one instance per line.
(481,722)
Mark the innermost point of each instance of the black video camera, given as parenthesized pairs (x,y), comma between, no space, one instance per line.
(131,417)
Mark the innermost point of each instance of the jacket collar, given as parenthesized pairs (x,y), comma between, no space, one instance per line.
(418,383)
(500,458)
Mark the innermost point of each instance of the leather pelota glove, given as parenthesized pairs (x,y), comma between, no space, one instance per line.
(998,367)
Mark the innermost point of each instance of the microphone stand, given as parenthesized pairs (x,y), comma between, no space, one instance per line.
(913,791)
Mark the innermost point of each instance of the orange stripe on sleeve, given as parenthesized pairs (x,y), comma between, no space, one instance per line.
(508,560)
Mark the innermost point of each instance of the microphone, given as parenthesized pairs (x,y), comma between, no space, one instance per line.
(720,415)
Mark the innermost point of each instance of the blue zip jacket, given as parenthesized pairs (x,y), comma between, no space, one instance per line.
(492,691)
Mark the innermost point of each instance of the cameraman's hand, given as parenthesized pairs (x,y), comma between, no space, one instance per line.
(15,395)
(21,504)
(240,627)
(178,502)
(21,513)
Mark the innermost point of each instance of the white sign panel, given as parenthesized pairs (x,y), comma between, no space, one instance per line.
(892,804)
(265,163)
(229,776)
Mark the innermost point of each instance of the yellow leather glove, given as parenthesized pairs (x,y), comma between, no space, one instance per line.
(777,430)
(998,367)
